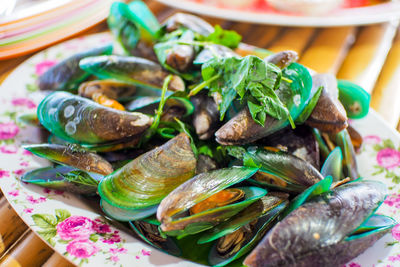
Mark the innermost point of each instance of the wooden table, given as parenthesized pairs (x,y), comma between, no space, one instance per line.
(369,56)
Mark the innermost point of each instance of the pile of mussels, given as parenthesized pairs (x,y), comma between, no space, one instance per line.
(210,149)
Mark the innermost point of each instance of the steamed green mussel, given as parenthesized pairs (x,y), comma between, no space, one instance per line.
(210,149)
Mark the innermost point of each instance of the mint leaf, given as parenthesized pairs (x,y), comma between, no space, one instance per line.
(44,221)
(227,38)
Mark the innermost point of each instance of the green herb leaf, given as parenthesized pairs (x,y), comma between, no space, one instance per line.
(79,177)
(227,38)
(309,107)
(249,78)
(236,151)
(185,130)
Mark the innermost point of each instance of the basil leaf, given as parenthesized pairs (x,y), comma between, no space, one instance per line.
(227,38)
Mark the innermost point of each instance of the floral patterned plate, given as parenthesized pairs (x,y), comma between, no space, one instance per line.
(74,228)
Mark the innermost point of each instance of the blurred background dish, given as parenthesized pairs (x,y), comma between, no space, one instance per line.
(28,25)
(315,13)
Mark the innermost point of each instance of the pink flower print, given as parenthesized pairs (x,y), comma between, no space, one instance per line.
(14,193)
(394,258)
(25,102)
(353,264)
(148,252)
(372,139)
(8,149)
(8,130)
(115,238)
(28,210)
(388,158)
(137,257)
(46,191)
(58,192)
(118,250)
(19,172)
(33,200)
(82,248)
(101,228)
(43,66)
(75,227)
(393,200)
(24,164)
(27,153)
(396,232)
(4,173)
(114,258)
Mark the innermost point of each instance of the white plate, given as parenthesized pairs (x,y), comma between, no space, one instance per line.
(86,241)
(341,17)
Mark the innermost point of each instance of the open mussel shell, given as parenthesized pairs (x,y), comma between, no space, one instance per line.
(305,234)
(67,75)
(188,21)
(148,231)
(80,120)
(110,88)
(354,99)
(134,70)
(206,116)
(64,178)
(72,156)
(126,214)
(323,147)
(147,105)
(333,165)
(350,168)
(234,245)
(242,129)
(146,180)
(174,208)
(283,171)
(328,115)
(356,138)
(299,142)
(375,223)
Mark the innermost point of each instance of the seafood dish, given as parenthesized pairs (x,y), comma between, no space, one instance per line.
(208,149)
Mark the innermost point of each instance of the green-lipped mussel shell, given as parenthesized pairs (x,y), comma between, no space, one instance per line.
(64,178)
(188,21)
(375,223)
(195,190)
(242,129)
(80,120)
(147,104)
(133,70)
(147,23)
(125,32)
(110,88)
(323,148)
(259,208)
(149,233)
(67,75)
(316,189)
(206,116)
(196,223)
(146,180)
(354,99)
(306,231)
(329,115)
(350,168)
(333,165)
(262,225)
(283,171)
(72,156)
(126,214)
(299,142)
